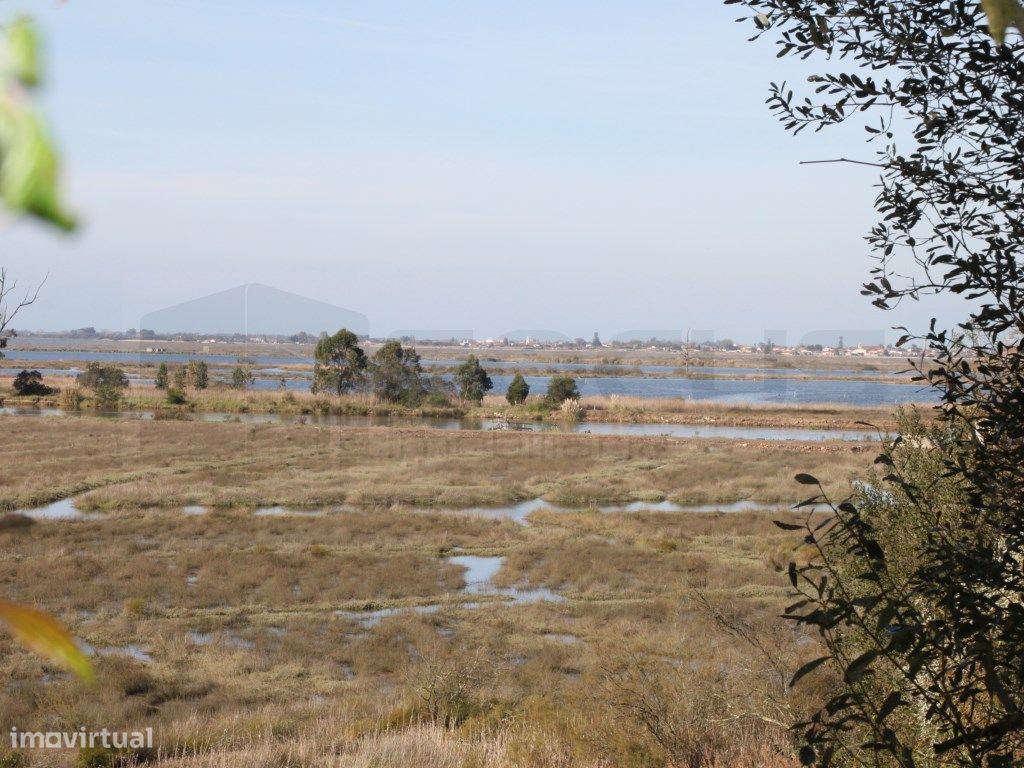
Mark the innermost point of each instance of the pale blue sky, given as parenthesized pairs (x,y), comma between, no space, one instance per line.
(570,165)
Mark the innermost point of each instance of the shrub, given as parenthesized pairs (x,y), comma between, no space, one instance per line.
(562,388)
(518,390)
(163,377)
(176,397)
(241,378)
(31,383)
(106,381)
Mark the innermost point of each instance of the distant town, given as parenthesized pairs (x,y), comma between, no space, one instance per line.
(523,341)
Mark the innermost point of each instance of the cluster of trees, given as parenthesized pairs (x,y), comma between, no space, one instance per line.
(394,374)
(193,375)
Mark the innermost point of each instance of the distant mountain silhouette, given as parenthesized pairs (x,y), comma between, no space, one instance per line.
(254,309)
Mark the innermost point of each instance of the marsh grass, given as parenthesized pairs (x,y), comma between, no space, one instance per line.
(259,655)
(174,464)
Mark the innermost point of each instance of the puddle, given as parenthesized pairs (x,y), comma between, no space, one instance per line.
(517,512)
(191,579)
(230,640)
(195,510)
(64,509)
(558,637)
(133,651)
(669,506)
(479,572)
(287,512)
(373,618)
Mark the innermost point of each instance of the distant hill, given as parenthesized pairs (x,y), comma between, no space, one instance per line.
(254,309)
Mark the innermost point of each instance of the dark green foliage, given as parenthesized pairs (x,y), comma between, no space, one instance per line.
(562,388)
(180,377)
(472,380)
(106,381)
(396,374)
(163,377)
(518,390)
(31,383)
(241,378)
(340,363)
(918,594)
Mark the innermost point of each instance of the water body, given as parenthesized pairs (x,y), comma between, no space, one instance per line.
(478,581)
(754,391)
(64,509)
(678,431)
(737,391)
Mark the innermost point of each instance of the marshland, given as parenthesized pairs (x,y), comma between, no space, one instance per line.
(298,594)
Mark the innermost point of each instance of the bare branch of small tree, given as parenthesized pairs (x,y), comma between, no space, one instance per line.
(10,306)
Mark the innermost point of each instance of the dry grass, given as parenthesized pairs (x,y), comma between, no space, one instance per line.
(170,463)
(251,665)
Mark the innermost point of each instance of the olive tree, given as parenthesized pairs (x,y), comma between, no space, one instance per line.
(928,646)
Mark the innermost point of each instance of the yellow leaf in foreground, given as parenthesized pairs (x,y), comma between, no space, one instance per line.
(1001,15)
(41,633)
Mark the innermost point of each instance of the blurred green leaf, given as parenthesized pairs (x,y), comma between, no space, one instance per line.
(28,159)
(28,166)
(23,51)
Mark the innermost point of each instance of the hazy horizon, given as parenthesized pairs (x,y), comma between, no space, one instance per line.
(485,169)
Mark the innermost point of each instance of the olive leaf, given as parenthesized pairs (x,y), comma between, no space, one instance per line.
(1003,14)
(41,633)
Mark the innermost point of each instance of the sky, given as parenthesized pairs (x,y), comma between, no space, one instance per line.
(570,166)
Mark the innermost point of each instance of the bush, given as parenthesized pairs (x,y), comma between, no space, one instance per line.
(31,383)
(163,377)
(176,397)
(241,378)
(518,390)
(106,381)
(562,388)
